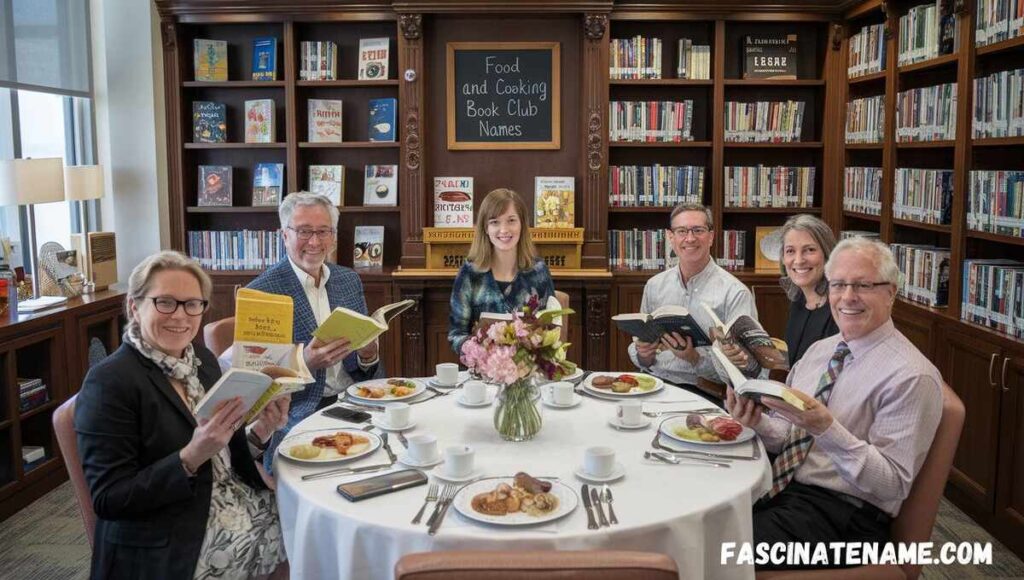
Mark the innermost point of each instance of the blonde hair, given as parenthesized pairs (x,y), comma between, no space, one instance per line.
(141,278)
(481,253)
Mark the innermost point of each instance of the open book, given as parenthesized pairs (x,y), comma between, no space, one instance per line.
(359,329)
(748,334)
(256,389)
(667,319)
(755,388)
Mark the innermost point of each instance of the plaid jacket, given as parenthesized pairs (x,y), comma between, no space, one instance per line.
(343,289)
(476,292)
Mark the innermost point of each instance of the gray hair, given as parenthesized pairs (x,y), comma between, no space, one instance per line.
(879,252)
(825,239)
(141,278)
(305,198)
(688,206)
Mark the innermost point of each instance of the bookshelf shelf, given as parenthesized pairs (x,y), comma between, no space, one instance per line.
(38,410)
(778,210)
(865,146)
(236,273)
(1000,47)
(862,216)
(868,78)
(639,209)
(927,145)
(794,145)
(922,226)
(349,83)
(998,142)
(351,145)
(946,60)
(1003,239)
(231,209)
(662,82)
(233,84)
(369,209)
(235,145)
(774,82)
(658,145)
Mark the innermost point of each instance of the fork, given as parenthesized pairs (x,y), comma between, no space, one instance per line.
(431,496)
(447,492)
(606,496)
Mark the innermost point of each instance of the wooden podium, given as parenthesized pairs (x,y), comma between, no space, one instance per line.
(446,248)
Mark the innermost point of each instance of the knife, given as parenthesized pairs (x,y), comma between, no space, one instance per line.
(440,517)
(597,506)
(387,447)
(346,471)
(591,522)
(402,439)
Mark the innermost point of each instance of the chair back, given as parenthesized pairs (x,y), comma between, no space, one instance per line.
(563,301)
(219,335)
(64,427)
(538,565)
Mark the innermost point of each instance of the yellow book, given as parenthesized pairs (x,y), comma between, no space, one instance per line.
(263,317)
(359,329)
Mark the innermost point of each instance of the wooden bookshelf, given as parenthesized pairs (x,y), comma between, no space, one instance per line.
(946,60)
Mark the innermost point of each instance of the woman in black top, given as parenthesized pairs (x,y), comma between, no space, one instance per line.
(806,244)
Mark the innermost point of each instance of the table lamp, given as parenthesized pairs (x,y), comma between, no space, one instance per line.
(83,183)
(27,182)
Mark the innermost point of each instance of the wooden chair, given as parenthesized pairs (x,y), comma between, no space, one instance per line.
(67,440)
(917,514)
(219,335)
(537,565)
(563,301)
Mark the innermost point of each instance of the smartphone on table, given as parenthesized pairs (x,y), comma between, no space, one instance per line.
(381,484)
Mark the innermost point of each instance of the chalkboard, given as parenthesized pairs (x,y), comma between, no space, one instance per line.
(504,95)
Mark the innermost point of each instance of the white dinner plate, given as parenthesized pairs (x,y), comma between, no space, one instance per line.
(327,455)
(668,426)
(567,502)
(635,392)
(353,390)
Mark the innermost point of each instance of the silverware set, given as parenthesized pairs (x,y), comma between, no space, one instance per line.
(674,456)
(444,501)
(593,501)
(702,411)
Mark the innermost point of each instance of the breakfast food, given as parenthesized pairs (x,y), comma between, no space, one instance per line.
(304,451)
(392,388)
(342,442)
(602,382)
(526,494)
(624,383)
(700,428)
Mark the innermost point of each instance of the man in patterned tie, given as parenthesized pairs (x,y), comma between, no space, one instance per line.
(873,402)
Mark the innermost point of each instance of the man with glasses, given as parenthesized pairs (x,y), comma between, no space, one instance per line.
(697,280)
(308,225)
(872,404)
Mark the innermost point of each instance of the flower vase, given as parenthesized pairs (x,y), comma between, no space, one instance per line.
(517,416)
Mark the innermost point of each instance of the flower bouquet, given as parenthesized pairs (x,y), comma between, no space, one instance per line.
(513,354)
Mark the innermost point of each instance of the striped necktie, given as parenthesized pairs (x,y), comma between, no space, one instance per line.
(798,443)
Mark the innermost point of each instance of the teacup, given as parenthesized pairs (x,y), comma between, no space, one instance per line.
(446,373)
(474,392)
(422,448)
(397,415)
(561,393)
(599,461)
(630,413)
(458,460)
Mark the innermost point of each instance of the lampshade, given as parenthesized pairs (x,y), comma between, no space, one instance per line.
(31,181)
(83,182)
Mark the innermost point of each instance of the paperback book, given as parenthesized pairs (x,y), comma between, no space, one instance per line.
(209,122)
(259,121)
(373,58)
(358,328)
(267,184)
(255,388)
(264,58)
(325,121)
(263,333)
(382,119)
(214,186)
(554,202)
(368,247)
(329,181)
(380,185)
(453,202)
(210,59)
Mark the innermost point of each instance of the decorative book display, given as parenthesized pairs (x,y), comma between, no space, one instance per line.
(325,122)
(665,320)
(768,248)
(554,201)
(368,248)
(373,58)
(214,185)
(318,61)
(264,58)
(453,202)
(329,181)
(259,121)
(209,122)
(380,185)
(382,119)
(358,328)
(770,57)
(210,59)
(267,184)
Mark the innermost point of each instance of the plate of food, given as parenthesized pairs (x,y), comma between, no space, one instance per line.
(328,446)
(706,429)
(385,390)
(623,384)
(521,500)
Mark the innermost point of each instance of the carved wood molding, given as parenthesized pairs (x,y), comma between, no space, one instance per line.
(595,25)
(411,25)
(412,336)
(890,18)
(412,139)
(837,35)
(595,153)
(597,330)
(169,35)
(960,7)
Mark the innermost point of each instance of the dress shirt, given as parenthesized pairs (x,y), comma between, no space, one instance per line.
(713,286)
(885,405)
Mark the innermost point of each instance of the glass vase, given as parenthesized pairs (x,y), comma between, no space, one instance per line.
(517,416)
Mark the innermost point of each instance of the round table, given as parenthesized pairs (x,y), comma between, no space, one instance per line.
(685,512)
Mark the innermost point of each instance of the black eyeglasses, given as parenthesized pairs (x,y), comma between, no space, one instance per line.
(168,305)
(305,234)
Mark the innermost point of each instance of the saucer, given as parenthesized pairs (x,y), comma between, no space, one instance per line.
(485,403)
(380,423)
(473,476)
(617,472)
(404,459)
(576,400)
(434,383)
(614,422)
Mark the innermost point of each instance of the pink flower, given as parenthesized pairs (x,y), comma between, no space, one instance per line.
(500,366)
(496,331)
(472,353)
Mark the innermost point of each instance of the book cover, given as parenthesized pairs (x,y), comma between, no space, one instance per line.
(768,243)
(263,332)
(380,185)
(256,388)
(209,122)
(755,388)
(210,59)
(382,119)
(373,58)
(554,199)
(771,56)
(329,181)
(325,124)
(259,121)
(267,184)
(214,185)
(359,328)
(667,319)
(368,248)
(264,58)
(453,202)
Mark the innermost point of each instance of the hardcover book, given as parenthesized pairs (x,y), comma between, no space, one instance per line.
(209,122)
(325,124)
(259,121)
(368,248)
(554,201)
(667,319)
(214,186)
(770,57)
(373,58)
(453,202)
(380,185)
(329,181)
(264,58)
(210,59)
(382,119)
(267,184)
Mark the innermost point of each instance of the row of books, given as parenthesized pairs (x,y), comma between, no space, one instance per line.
(998,20)
(927,31)
(635,58)
(925,273)
(650,121)
(862,190)
(867,51)
(764,121)
(655,185)
(846,234)
(236,249)
(996,202)
(640,250)
(999,104)
(926,114)
(209,121)
(210,59)
(993,295)
(762,186)
(734,249)
(924,195)
(694,60)
(31,394)
(318,60)
(865,120)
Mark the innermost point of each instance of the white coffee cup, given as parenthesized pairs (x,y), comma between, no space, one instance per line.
(599,461)
(458,460)
(561,393)
(397,414)
(422,448)
(474,392)
(630,412)
(447,373)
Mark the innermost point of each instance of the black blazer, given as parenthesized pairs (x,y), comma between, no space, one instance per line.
(131,424)
(806,327)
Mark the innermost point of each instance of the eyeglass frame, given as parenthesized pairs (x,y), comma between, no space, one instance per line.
(321,235)
(689,231)
(182,304)
(838,286)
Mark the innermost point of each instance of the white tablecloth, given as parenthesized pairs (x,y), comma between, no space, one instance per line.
(685,512)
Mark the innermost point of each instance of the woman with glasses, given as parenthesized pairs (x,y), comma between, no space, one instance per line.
(175,496)
(502,270)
